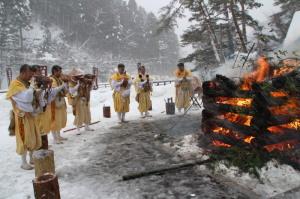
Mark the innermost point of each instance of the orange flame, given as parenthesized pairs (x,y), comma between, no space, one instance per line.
(249,139)
(242,102)
(280,129)
(283,70)
(279,94)
(258,75)
(283,146)
(220,144)
(228,132)
(236,118)
(291,107)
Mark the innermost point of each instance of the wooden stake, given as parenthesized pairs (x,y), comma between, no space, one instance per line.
(72,129)
(163,170)
(44,142)
(43,162)
(46,186)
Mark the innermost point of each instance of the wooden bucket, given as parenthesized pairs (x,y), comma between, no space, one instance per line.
(170,107)
(106,112)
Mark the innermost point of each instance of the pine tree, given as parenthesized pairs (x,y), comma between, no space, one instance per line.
(281,21)
(215,25)
(15,16)
(116,29)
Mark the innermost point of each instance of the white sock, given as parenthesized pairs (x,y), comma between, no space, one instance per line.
(120,116)
(54,135)
(30,157)
(87,128)
(24,158)
(123,116)
(59,136)
(24,164)
(56,138)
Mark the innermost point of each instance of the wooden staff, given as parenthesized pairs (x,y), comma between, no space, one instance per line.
(72,129)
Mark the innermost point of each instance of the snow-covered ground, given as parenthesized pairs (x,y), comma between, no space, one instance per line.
(275,178)
(16,183)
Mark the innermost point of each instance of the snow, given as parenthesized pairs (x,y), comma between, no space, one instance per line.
(292,39)
(275,178)
(16,183)
(48,57)
(232,68)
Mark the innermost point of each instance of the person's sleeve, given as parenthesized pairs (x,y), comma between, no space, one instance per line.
(24,100)
(115,84)
(73,90)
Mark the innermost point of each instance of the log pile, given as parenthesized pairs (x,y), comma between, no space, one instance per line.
(262,114)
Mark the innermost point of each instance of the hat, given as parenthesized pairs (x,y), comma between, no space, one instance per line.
(76,72)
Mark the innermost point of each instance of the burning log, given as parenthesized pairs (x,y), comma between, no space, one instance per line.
(241,129)
(260,112)
(210,105)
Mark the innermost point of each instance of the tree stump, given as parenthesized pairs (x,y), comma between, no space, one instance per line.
(46,187)
(43,162)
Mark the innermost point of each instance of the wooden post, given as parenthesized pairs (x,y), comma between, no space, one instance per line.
(46,186)
(43,162)
(44,142)
(96,73)
(9,75)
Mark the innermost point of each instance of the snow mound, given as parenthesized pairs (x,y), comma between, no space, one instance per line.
(293,36)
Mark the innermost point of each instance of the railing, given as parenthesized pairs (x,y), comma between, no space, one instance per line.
(155,83)
(106,84)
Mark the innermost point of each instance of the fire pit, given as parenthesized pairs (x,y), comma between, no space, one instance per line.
(261,111)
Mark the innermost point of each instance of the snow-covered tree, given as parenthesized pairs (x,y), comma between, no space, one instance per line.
(281,21)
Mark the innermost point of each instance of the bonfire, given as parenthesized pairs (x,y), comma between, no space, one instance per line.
(262,111)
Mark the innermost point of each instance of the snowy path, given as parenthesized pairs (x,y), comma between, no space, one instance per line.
(100,163)
(91,165)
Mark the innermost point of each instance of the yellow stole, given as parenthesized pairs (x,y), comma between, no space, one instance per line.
(182,74)
(16,87)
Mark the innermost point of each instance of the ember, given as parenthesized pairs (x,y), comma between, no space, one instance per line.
(256,112)
(234,101)
(220,144)
(287,145)
(291,107)
(237,118)
(280,129)
(279,94)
